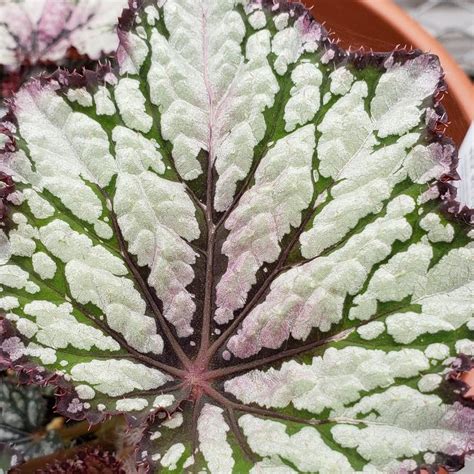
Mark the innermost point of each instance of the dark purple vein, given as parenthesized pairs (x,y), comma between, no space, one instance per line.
(113,334)
(289,353)
(145,290)
(239,436)
(297,351)
(197,406)
(153,392)
(253,169)
(229,404)
(123,343)
(263,288)
(208,290)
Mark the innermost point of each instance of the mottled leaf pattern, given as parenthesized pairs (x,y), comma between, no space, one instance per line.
(245,239)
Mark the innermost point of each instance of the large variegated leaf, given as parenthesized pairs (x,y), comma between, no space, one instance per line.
(244,238)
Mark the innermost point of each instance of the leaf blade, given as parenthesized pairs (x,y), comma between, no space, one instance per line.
(360,243)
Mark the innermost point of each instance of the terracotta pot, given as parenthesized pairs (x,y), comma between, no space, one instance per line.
(382,26)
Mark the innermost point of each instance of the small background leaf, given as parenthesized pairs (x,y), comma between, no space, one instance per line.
(9,457)
(22,417)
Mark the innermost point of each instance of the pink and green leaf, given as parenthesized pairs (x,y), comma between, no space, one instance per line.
(246,239)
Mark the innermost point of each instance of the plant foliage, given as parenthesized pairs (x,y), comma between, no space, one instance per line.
(22,419)
(245,239)
(39,35)
(92,461)
(9,458)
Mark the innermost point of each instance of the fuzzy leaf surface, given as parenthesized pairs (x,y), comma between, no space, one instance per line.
(245,239)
